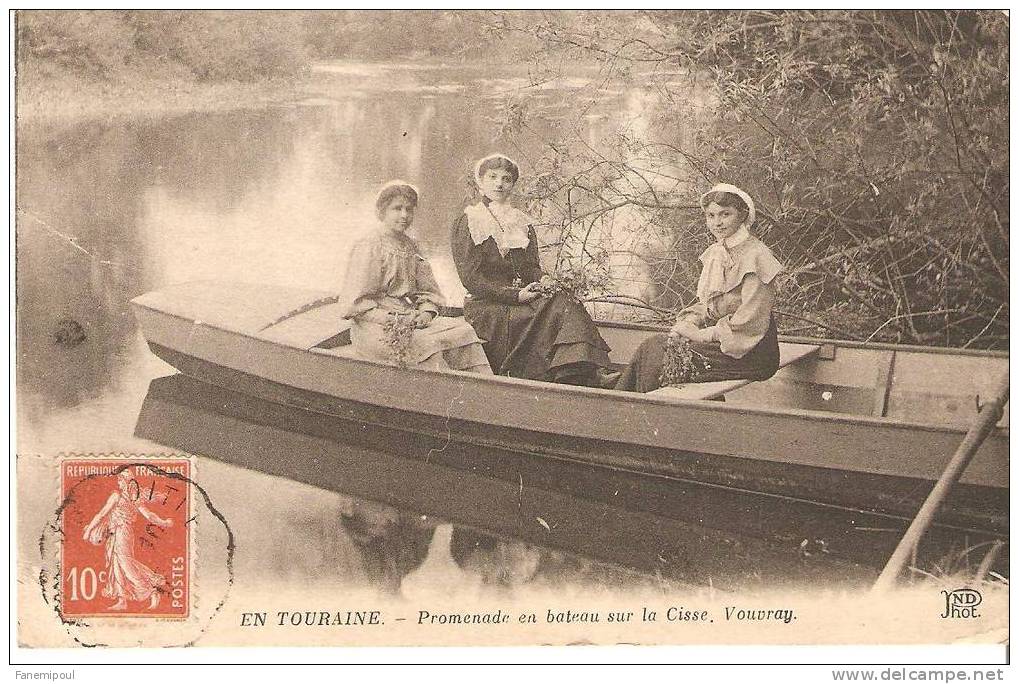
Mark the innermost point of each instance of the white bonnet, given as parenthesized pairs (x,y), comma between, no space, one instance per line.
(497,155)
(391,184)
(394,183)
(726,187)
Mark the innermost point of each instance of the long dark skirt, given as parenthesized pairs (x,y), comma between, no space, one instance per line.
(760,363)
(550,338)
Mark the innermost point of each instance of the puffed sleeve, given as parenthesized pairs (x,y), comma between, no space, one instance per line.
(468,259)
(426,294)
(740,331)
(363,287)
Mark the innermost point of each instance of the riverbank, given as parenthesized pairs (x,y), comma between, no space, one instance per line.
(70,97)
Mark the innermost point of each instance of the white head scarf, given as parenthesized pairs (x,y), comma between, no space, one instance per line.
(504,223)
(716,258)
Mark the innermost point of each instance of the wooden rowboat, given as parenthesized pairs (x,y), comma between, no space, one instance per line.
(854,429)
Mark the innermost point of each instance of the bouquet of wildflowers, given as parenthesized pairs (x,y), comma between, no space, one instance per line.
(398,335)
(682,363)
(575,280)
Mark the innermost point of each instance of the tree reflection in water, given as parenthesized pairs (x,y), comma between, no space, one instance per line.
(392,542)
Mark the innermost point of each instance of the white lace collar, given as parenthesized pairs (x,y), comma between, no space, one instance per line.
(715,260)
(504,223)
(737,238)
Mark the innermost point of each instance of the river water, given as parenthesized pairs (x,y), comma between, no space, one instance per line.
(111,208)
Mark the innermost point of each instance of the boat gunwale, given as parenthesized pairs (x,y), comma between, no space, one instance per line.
(711,406)
(849,344)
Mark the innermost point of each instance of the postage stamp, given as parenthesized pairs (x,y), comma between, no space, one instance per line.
(125,550)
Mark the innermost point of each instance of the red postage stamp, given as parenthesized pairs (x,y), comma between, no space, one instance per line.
(126,538)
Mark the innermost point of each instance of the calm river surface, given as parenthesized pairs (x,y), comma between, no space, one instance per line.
(111,208)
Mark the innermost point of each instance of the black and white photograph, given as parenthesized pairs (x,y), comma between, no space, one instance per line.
(482,328)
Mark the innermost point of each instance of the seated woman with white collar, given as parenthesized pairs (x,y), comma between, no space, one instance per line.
(730,328)
(527,333)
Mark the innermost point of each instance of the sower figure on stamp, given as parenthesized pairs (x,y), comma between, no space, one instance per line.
(127,578)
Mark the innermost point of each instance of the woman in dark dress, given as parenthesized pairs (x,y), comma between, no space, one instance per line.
(528,334)
(730,328)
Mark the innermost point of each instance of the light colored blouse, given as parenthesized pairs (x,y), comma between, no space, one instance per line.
(386,272)
(742,310)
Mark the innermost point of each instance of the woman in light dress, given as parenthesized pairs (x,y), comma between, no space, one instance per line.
(730,327)
(389,282)
(127,578)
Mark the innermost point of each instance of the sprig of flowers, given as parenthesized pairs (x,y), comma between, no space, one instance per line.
(682,363)
(577,281)
(398,335)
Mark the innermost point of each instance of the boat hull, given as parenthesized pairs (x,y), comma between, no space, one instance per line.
(970,507)
(809,438)
(746,464)
(683,530)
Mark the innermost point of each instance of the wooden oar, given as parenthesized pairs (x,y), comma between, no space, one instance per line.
(990,413)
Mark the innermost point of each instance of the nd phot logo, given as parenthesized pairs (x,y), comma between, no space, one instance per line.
(961,603)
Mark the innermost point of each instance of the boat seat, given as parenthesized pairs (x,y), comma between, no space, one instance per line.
(789,353)
(308,328)
(344,351)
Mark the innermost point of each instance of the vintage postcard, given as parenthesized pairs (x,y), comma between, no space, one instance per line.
(489,328)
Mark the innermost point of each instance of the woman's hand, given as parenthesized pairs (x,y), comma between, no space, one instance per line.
(684,328)
(705,335)
(691,332)
(529,292)
(423,319)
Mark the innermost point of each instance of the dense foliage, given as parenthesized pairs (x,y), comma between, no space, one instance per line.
(210,45)
(876,142)
(215,45)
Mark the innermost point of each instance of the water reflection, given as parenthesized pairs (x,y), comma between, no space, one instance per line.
(411,555)
(110,208)
(392,543)
(374,520)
